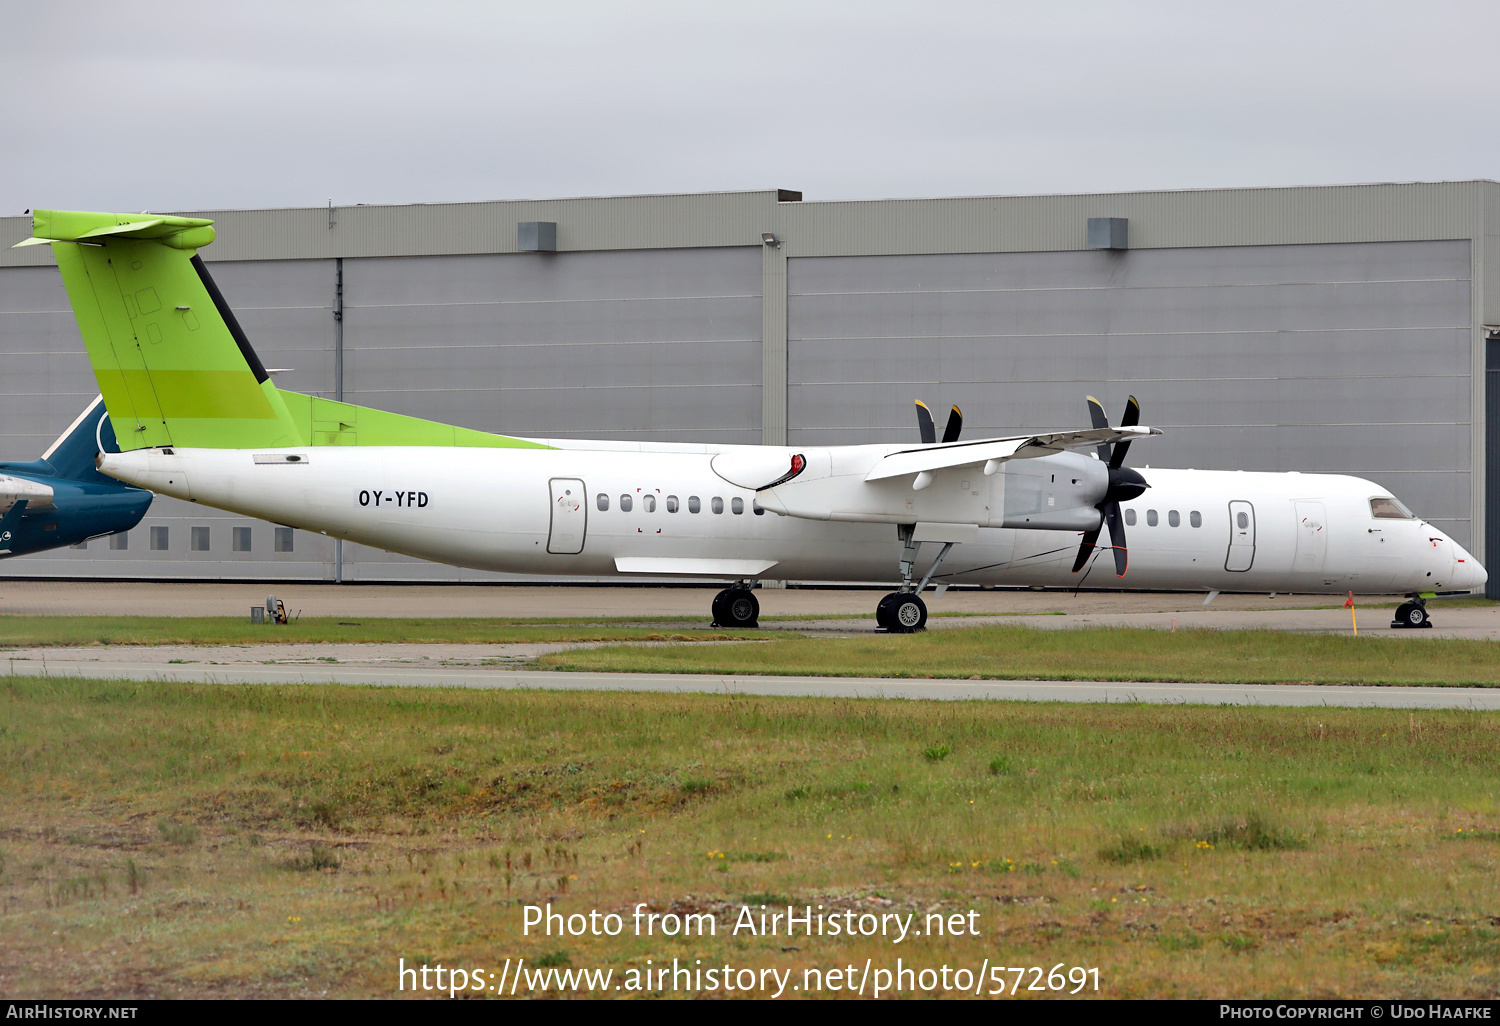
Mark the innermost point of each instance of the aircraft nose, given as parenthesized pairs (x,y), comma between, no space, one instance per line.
(1467,572)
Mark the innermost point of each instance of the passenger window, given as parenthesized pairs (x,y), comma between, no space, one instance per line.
(755,506)
(625,503)
(1243,520)
(1130,518)
(671,504)
(1150,518)
(718,504)
(1195,518)
(648,503)
(693,504)
(603,502)
(737,505)
(1387,508)
(1173,519)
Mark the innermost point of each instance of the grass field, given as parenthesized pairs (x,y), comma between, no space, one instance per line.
(171,840)
(39,631)
(1121,654)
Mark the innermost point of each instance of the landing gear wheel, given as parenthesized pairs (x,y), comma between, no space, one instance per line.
(902,613)
(1410,614)
(736,608)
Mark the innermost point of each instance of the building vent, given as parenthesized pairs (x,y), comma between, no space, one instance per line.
(1108,233)
(536,236)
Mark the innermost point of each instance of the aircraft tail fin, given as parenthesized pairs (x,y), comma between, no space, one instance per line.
(72,455)
(173,364)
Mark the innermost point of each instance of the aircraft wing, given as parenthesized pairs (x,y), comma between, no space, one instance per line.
(962,454)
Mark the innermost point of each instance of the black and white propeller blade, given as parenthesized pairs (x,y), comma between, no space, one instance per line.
(924,424)
(954,426)
(1124,484)
(928,428)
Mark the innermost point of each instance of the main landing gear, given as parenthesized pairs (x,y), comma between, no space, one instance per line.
(736,606)
(1412,613)
(903,611)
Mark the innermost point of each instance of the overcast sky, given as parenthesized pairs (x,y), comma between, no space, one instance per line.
(189,105)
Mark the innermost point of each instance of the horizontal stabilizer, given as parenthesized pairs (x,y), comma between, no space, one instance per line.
(83,225)
(19,489)
(963,454)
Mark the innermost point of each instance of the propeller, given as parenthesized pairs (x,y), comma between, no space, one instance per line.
(929,430)
(1124,484)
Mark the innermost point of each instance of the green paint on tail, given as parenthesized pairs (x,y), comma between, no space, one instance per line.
(172,362)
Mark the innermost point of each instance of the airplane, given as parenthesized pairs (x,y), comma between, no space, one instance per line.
(199,419)
(61,498)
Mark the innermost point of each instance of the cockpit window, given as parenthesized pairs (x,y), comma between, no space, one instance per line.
(1387,508)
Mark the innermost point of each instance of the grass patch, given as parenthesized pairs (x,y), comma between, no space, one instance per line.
(1128,849)
(180,834)
(336,826)
(1113,654)
(317,858)
(1255,832)
(66,631)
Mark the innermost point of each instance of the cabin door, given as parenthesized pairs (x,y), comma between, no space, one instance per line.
(570,517)
(1241,536)
(1312,538)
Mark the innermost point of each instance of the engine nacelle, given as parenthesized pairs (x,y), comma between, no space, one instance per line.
(1057,492)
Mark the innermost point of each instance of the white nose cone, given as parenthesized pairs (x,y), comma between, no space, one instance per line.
(1468,575)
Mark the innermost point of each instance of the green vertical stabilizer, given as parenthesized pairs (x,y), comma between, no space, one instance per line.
(174,365)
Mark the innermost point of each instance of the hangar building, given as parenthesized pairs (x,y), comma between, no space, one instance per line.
(1343,329)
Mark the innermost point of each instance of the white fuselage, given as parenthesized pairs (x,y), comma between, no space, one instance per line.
(539,512)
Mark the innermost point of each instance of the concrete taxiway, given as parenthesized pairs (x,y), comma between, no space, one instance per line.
(839,610)
(485,667)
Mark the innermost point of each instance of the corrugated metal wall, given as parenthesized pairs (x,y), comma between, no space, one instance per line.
(655,344)
(1349,358)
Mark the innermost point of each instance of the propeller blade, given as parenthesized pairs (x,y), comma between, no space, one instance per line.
(924,423)
(1090,539)
(1101,420)
(954,426)
(1116,524)
(1131,418)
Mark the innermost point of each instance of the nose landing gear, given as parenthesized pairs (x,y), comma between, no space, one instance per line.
(736,607)
(1412,613)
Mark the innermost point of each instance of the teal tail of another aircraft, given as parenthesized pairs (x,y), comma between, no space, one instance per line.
(60,498)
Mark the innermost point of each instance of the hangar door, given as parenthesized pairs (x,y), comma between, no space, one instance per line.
(651,345)
(1338,357)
